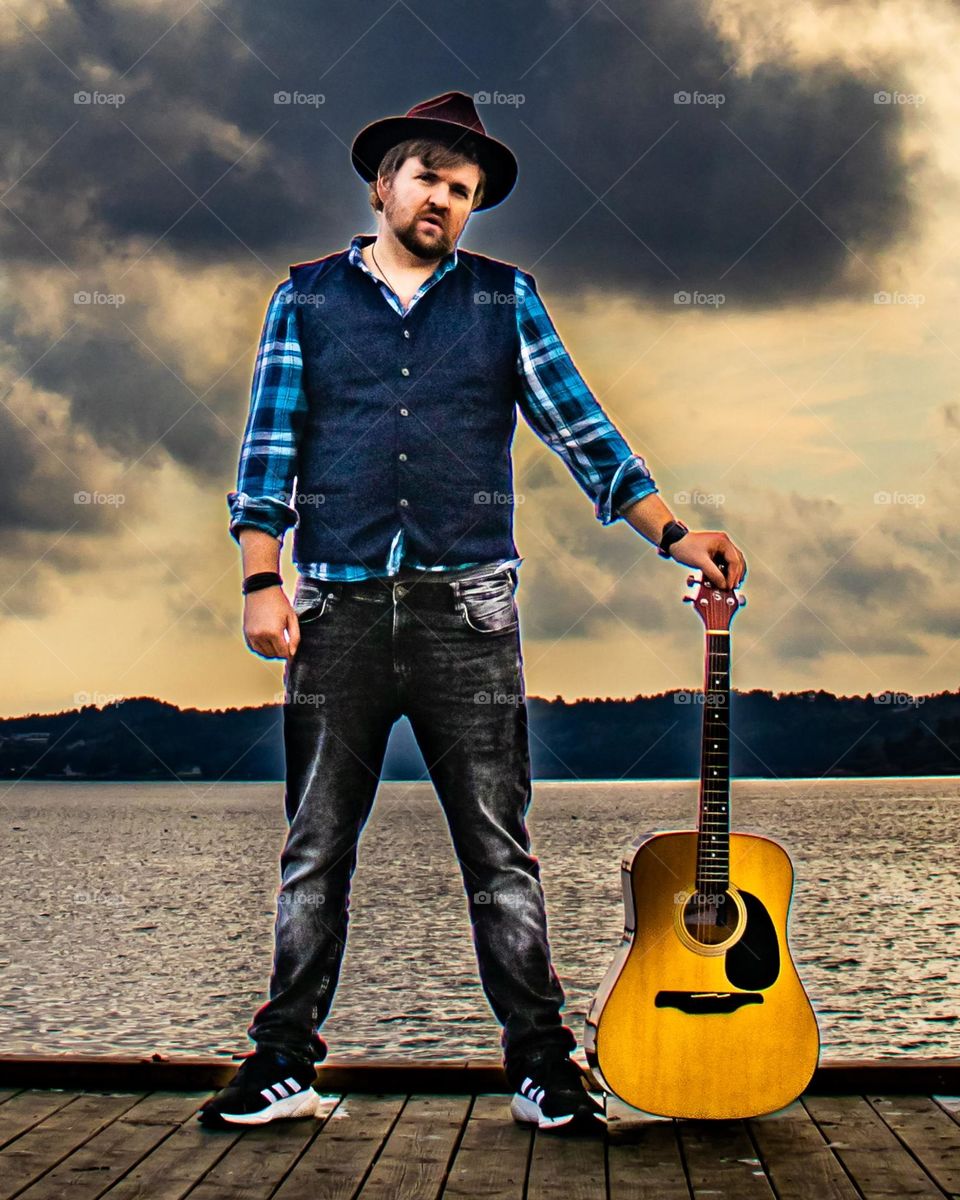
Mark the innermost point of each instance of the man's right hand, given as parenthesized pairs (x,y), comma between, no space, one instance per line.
(267,614)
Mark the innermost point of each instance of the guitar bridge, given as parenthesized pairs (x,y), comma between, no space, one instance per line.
(698,1003)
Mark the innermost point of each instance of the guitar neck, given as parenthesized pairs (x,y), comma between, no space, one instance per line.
(713,824)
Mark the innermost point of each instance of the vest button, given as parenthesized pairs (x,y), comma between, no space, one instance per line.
(404,370)
(404,503)
(404,412)
(402,457)
(406,333)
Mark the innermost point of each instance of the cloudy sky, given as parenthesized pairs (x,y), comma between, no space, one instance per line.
(794,169)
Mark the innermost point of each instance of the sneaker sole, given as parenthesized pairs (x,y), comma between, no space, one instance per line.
(303,1104)
(526,1112)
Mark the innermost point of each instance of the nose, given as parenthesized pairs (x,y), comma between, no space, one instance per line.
(440,197)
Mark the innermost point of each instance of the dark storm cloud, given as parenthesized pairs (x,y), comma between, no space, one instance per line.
(711,181)
(200,163)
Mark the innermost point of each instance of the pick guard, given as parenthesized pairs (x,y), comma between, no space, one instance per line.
(753,963)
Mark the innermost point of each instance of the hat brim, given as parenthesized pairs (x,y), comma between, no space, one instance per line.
(374,140)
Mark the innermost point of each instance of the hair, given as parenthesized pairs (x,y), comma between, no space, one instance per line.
(432,153)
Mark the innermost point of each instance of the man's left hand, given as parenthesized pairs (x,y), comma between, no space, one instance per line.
(713,553)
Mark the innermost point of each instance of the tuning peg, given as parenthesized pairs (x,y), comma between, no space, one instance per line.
(691,580)
(688,600)
(742,600)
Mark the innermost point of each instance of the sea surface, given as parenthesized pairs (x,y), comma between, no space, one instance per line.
(138,917)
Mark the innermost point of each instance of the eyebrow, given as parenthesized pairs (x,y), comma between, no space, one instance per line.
(461,186)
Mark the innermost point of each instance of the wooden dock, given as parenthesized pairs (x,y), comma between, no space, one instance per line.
(124,1128)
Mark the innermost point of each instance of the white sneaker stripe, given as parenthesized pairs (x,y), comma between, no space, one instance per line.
(292,1083)
(281,1091)
(268,1095)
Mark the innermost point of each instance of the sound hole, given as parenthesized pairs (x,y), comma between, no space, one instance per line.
(710,918)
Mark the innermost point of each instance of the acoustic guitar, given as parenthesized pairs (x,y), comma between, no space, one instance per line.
(702,1013)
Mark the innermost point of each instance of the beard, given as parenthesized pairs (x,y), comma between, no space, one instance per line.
(427,246)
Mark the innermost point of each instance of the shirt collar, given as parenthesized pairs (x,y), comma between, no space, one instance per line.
(364,239)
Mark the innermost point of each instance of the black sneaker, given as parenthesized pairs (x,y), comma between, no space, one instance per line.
(552,1094)
(268,1086)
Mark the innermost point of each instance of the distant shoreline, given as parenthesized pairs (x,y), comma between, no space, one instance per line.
(787,735)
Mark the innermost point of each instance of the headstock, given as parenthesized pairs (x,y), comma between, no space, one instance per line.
(716,606)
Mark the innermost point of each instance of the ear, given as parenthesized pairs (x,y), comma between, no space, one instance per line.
(383,188)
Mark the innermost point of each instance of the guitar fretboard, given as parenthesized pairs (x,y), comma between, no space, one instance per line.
(713,841)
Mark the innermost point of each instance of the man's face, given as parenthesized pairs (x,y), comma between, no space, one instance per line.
(444,194)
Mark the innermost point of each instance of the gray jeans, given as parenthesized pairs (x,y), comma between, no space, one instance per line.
(447,655)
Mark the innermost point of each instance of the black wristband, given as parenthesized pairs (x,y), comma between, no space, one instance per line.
(673,531)
(262,579)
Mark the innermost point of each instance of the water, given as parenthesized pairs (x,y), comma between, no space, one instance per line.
(139,917)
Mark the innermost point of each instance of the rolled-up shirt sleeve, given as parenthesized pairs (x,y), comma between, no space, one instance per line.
(268,454)
(560,408)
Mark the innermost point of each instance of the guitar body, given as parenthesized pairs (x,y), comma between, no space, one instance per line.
(702,1013)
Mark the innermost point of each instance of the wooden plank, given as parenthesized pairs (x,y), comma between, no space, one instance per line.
(29,1108)
(337,1161)
(418,1151)
(492,1158)
(928,1133)
(42,1147)
(257,1161)
(110,1154)
(893,1076)
(721,1161)
(950,1105)
(643,1155)
(174,1166)
(798,1160)
(873,1157)
(571,1167)
(466,1076)
(8,1094)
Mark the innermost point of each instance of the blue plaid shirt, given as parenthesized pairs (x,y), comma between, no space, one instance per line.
(555,401)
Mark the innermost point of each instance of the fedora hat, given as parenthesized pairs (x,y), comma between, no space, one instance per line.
(450,118)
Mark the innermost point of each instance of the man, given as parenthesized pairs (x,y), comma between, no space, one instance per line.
(387,384)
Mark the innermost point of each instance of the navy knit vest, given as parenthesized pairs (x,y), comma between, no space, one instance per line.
(409,418)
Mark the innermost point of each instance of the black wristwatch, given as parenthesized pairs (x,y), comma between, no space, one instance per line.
(673,531)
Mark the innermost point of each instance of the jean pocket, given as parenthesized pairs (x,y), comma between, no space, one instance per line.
(310,603)
(489,606)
